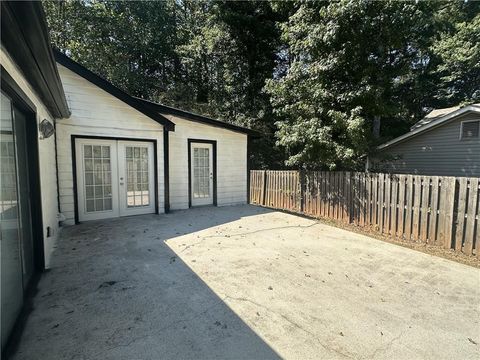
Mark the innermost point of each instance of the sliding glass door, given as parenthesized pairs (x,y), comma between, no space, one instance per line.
(17,258)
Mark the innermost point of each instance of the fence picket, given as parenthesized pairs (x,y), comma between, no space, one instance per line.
(449,211)
(388,205)
(470,225)
(417,195)
(424,209)
(433,237)
(375,201)
(462,205)
(401,205)
(393,211)
(381,202)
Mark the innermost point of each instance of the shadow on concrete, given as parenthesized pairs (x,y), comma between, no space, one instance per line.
(117,291)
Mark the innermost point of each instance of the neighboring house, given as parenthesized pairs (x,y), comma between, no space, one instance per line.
(445,142)
(74,148)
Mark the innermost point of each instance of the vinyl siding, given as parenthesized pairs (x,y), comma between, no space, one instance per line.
(97,113)
(46,152)
(439,151)
(231,162)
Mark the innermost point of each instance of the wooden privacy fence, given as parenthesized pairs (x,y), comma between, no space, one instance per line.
(438,210)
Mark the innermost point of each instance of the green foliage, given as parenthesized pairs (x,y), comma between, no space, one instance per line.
(458,48)
(210,57)
(350,63)
(314,77)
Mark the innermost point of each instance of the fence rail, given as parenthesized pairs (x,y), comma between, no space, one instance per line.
(437,210)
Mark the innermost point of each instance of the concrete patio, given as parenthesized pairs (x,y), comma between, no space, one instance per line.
(246,282)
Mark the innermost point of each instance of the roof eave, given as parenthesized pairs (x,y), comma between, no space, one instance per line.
(28,43)
(429,126)
(201,119)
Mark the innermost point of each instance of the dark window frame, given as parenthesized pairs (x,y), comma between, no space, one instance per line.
(464,138)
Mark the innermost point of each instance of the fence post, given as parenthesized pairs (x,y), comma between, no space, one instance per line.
(351,195)
(302,190)
(264,187)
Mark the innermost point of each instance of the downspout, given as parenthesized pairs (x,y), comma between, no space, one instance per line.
(56,168)
(166,170)
(249,165)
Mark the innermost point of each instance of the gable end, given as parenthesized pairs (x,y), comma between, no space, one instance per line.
(112,89)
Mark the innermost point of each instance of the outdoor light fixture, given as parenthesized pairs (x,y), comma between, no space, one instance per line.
(46,129)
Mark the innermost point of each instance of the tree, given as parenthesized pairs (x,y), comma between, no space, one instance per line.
(210,57)
(458,50)
(352,64)
(128,43)
(324,82)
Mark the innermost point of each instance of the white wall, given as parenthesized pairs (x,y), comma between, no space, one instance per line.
(231,162)
(46,147)
(97,113)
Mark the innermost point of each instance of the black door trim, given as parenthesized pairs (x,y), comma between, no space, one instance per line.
(113,138)
(23,103)
(214,160)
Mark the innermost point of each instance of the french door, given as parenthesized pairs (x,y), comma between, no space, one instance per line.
(114,178)
(201,172)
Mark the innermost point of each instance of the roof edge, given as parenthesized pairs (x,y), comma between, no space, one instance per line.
(200,118)
(107,86)
(429,126)
(26,40)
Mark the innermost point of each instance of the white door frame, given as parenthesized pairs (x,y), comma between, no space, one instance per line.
(212,145)
(79,184)
(125,210)
(83,215)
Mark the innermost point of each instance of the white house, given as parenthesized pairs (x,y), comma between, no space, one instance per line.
(119,155)
(75,148)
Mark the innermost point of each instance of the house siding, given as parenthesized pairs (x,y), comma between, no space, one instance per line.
(46,153)
(439,151)
(97,113)
(231,162)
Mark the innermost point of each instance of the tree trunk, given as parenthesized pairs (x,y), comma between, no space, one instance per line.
(376,127)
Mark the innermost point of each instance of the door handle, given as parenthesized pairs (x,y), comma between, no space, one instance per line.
(121,183)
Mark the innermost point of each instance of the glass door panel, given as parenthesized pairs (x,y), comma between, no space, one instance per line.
(97,179)
(138,192)
(23,184)
(136,178)
(11,261)
(201,173)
